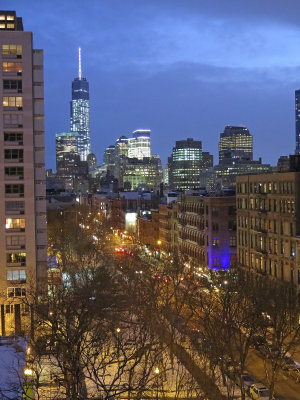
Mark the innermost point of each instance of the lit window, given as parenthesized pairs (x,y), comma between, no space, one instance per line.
(10,26)
(12,101)
(11,66)
(12,49)
(16,258)
(14,223)
(10,18)
(16,275)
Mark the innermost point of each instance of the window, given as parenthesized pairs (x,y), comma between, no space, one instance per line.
(13,120)
(12,49)
(17,190)
(14,171)
(14,206)
(14,154)
(232,241)
(13,137)
(15,241)
(12,101)
(215,212)
(16,275)
(12,84)
(10,26)
(16,258)
(215,242)
(12,67)
(16,292)
(14,223)
(9,309)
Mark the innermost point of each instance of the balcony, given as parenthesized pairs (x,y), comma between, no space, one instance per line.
(16,264)
(13,177)
(15,247)
(262,211)
(260,250)
(14,195)
(14,160)
(13,143)
(12,230)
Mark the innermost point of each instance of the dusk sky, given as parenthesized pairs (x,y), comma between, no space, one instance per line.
(181,68)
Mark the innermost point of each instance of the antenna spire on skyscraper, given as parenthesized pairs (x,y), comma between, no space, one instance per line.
(79,60)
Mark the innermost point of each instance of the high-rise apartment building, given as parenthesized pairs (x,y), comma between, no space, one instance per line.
(23,252)
(139,144)
(185,164)
(236,145)
(268,225)
(297,115)
(80,113)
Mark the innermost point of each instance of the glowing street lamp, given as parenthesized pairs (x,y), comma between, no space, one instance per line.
(28,372)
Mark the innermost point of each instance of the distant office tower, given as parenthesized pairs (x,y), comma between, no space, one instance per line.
(297,111)
(23,251)
(80,113)
(92,161)
(185,164)
(146,172)
(121,154)
(121,147)
(66,142)
(109,159)
(236,145)
(139,144)
(207,160)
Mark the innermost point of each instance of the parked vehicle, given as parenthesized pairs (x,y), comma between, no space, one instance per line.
(259,391)
(268,351)
(295,373)
(247,380)
(288,363)
(258,340)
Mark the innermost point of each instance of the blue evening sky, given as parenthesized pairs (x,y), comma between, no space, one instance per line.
(183,68)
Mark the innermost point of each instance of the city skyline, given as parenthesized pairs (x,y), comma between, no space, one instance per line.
(179,77)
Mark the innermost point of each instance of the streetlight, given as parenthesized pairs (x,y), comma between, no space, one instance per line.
(159,243)
(157,371)
(28,372)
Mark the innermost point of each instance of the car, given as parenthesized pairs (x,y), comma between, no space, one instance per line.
(247,380)
(257,340)
(259,391)
(288,363)
(268,351)
(295,373)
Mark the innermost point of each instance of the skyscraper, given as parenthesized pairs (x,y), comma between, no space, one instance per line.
(185,164)
(66,142)
(297,112)
(80,112)
(139,144)
(23,250)
(236,145)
